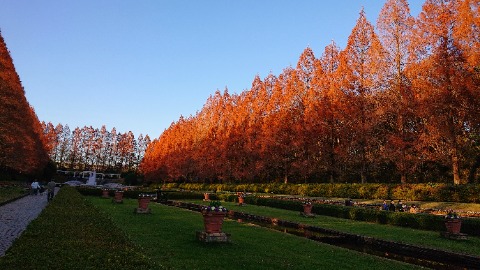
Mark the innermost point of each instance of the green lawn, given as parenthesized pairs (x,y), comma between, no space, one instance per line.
(76,232)
(168,237)
(387,232)
(11,192)
(72,234)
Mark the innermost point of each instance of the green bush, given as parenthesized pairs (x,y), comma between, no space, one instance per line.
(411,192)
(177,195)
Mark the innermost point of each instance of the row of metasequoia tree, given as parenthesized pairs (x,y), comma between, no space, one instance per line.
(399,103)
(22,151)
(91,148)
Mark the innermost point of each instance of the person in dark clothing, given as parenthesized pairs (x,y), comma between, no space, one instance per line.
(51,190)
(391,207)
(399,206)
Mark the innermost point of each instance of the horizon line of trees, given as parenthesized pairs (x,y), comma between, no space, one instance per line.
(400,103)
(89,148)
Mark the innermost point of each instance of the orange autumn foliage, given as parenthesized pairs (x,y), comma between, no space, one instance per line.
(400,103)
(22,149)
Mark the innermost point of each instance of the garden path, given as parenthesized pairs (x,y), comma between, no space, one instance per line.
(15,217)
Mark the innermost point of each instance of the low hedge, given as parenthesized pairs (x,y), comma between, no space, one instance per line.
(416,221)
(421,221)
(71,234)
(411,192)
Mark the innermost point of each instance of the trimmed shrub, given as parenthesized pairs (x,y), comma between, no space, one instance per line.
(411,192)
(416,221)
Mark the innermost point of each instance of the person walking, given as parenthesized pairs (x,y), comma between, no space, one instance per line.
(51,190)
(35,187)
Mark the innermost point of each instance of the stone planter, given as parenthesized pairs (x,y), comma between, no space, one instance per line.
(105,193)
(213,221)
(206,196)
(307,209)
(453,225)
(118,197)
(241,200)
(143,202)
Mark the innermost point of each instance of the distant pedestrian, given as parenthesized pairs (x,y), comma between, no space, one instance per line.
(391,207)
(35,187)
(400,206)
(385,205)
(51,189)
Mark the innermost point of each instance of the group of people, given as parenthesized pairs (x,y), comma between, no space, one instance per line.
(38,189)
(399,207)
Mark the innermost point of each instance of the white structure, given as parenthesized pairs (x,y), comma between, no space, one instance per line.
(87,174)
(92,179)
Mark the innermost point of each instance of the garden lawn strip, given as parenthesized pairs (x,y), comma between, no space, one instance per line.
(429,239)
(168,236)
(9,193)
(71,234)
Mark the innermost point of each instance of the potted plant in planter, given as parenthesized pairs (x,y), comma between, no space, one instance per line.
(143,201)
(453,223)
(213,217)
(307,208)
(241,198)
(105,192)
(118,196)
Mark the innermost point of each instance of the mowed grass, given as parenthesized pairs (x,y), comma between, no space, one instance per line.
(168,237)
(72,234)
(11,192)
(429,239)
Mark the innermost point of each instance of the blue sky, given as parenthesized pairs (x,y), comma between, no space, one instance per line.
(139,64)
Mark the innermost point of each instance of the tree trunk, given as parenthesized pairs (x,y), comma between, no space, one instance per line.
(455,167)
(473,170)
(403,178)
(363,177)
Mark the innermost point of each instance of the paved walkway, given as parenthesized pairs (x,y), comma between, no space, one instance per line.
(15,216)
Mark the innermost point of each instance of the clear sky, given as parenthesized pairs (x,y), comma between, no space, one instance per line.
(139,64)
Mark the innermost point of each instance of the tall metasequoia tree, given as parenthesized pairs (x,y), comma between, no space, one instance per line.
(278,146)
(444,83)
(255,101)
(324,113)
(50,138)
(395,27)
(365,59)
(239,157)
(62,152)
(467,32)
(21,145)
